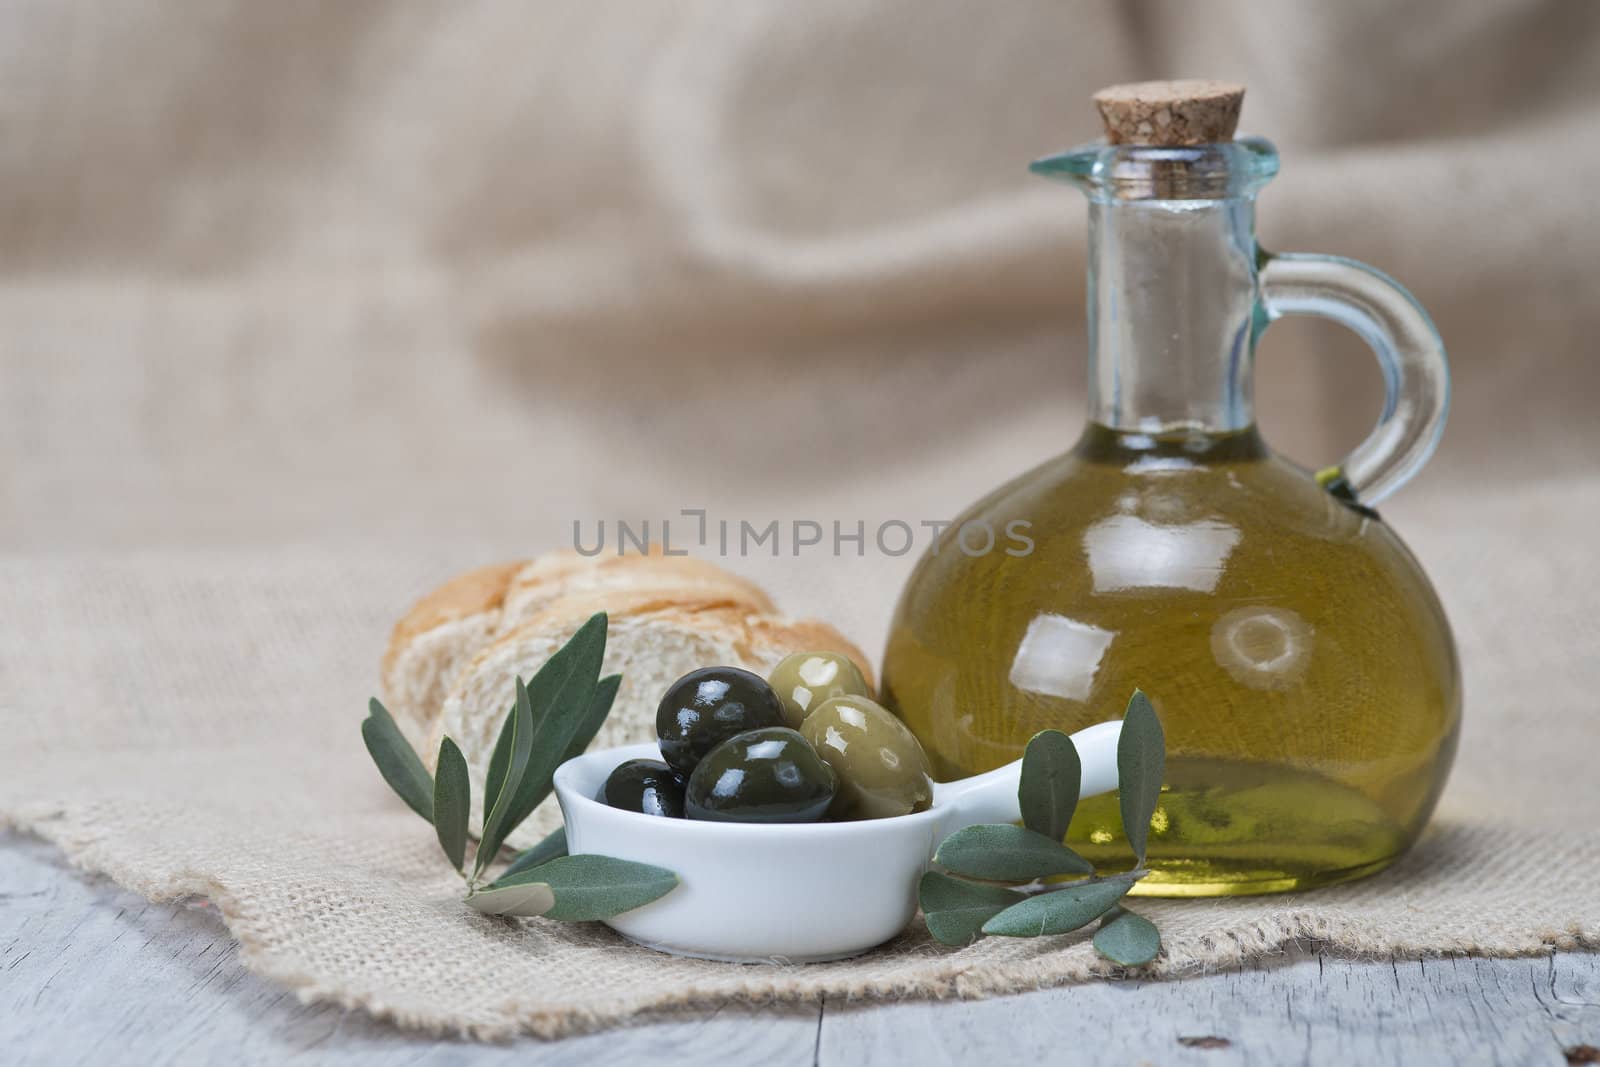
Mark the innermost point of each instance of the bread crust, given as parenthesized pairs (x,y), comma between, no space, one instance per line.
(444,631)
(566,573)
(473,593)
(758,633)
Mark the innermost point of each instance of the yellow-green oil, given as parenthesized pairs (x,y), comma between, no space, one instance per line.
(1300,662)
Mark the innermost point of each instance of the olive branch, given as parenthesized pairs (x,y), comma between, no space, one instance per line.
(554,718)
(978,892)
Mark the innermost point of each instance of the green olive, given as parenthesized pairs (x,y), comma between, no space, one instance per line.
(882,769)
(769,775)
(805,679)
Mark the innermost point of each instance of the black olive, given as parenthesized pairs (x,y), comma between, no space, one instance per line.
(769,775)
(644,785)
(706,707)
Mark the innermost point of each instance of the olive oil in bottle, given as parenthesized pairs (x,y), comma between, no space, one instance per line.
(1300,661)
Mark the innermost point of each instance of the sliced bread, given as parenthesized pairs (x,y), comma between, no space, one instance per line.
(445,629)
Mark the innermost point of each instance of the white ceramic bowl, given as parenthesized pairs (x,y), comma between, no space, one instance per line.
(790,892)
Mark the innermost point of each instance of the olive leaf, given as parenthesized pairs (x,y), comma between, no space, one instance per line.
(1062,910)
(594,714)
(554,718)
(452,799)
(956,909)
(1127,938)
(499,760)
(600,701)
(1001,852)
(396,760)
(1141,764)
(1051,776)
(584,887)
(518,750)
(551,847)
(518,898)
(597,887)
(559,700)
(1047,793)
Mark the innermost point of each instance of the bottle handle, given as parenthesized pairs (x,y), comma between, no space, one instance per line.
(1416,374)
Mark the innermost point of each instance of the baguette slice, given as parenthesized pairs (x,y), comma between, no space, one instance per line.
(566,573)
(452,624)
(653,641)
(443,630)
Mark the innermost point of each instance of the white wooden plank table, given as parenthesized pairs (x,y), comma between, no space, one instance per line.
(90,973)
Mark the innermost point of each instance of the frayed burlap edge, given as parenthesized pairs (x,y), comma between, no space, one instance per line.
(1181,957)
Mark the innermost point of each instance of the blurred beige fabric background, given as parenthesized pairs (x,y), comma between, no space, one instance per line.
(303,272)
(295,290)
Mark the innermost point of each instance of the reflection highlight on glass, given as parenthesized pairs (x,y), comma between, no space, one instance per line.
(1059,656)
(1126,552)
(1263,647)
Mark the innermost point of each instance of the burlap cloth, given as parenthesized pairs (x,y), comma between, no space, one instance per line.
(304,306)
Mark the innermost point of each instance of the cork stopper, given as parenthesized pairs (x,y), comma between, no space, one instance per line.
(1171,112)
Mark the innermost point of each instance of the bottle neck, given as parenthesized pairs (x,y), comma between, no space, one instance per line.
(1172,314)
